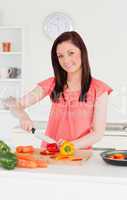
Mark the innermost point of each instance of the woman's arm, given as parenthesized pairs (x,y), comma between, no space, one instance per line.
(17,107)
(31,97)
(99,123)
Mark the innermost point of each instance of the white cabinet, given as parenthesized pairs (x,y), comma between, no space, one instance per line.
(11,62)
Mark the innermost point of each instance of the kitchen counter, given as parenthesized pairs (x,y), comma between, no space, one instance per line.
(94,169)
(66,182)
(51,182)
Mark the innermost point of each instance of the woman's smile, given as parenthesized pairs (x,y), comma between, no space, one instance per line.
(69,66)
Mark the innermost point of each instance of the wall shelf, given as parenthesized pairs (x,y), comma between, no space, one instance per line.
(10,53)
(11,82)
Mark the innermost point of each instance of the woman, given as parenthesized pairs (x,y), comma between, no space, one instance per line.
(79,101)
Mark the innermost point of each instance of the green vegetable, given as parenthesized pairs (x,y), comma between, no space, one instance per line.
(4,147)
(8,160)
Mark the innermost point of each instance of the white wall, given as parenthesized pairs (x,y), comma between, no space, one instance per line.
(102,24)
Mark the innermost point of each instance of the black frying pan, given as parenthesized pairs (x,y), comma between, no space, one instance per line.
(108,157)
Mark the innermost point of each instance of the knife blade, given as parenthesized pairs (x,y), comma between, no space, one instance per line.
(38,134)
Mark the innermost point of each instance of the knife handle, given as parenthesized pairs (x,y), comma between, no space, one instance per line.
(33,130)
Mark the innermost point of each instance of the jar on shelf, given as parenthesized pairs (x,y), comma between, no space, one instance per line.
(6,46)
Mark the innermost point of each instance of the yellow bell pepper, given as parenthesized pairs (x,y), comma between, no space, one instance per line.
(67,148)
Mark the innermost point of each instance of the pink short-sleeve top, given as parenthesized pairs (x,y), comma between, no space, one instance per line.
(71,119)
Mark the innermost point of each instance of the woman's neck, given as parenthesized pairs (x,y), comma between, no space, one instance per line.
(74,77)
(74,81)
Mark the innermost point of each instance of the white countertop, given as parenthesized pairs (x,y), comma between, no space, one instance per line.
(93,180)
(73,180)
(94,169)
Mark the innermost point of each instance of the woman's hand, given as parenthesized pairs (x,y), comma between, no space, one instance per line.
(26,123)
(60,141)
(10,102)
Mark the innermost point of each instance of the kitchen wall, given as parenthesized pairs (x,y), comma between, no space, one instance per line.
(102,24)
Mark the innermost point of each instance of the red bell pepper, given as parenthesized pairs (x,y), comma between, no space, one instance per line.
(53,147)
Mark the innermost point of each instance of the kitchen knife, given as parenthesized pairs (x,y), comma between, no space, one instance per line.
(38,134)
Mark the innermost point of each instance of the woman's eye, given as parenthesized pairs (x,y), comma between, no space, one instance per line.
(60,56)
(71,53)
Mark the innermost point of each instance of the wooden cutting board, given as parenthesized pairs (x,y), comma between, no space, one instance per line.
(84,154)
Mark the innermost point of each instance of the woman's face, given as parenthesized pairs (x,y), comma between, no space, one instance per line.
(69,56)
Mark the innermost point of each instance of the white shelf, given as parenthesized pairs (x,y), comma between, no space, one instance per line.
(11,27)
(11,53)
(11,80)
(4,111)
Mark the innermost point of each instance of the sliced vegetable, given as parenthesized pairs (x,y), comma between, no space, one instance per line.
(47,153)
(76,159)
(61,157)
(119,156)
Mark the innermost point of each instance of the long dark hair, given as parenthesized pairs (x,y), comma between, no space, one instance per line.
(61,74)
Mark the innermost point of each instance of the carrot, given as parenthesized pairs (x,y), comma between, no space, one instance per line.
(26,163)
(28,149)
(25,149)
(19,149)
(41,163)
(25,157)
(29,161)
